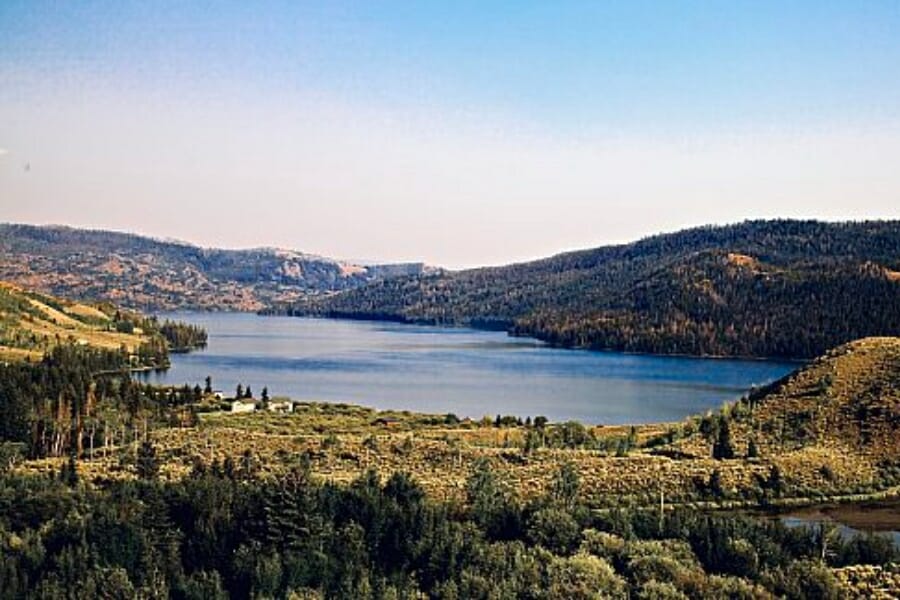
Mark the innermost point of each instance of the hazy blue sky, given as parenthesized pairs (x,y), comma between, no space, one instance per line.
(460,133)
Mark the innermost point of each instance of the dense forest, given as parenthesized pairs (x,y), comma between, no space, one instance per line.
(182,337)
(760,288)
(81,400)
(224,532)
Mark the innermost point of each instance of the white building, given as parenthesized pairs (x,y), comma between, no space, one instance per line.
(281,406)
(243,406)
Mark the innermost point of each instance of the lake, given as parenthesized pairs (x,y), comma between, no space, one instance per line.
(468,372)
(882,518)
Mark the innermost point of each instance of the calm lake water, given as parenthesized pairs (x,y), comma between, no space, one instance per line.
(882,518)
(464,371)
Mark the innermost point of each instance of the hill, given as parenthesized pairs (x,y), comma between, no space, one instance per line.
(32,324)
(848,399)
(148,274)
(759,288)
(829,427)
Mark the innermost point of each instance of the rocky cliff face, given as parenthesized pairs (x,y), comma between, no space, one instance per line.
(144,273)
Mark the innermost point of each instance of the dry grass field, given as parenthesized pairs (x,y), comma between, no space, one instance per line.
(32,323)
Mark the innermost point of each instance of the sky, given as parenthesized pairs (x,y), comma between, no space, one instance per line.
(455,133)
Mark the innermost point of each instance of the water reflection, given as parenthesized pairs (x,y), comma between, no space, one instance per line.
(471,373)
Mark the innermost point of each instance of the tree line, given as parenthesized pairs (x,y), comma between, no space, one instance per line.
(80,400)
(763,288)
(183,336)
(225,532)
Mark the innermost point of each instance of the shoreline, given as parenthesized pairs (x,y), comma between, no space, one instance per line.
(426,323)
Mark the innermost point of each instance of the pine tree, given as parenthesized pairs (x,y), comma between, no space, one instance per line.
(147,463)
(566,485)
(715,484)
(752,449)
(775,483)
(69,472)
(723,447)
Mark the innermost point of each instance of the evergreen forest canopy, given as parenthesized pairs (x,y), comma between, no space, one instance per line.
(224,532)
(760,288)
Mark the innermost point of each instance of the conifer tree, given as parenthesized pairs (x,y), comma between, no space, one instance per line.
(723,447)
(147,464)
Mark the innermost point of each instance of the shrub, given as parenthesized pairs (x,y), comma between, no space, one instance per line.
(583,576)
(659,590)
(554,529)
(804,579)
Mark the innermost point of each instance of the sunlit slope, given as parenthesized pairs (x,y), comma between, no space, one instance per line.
(848,399)
(831,427)
(147,274)
(32,323)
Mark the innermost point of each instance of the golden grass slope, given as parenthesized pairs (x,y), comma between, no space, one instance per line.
(848,399)
(32,323)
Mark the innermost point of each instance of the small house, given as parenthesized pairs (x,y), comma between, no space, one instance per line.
(243,406)
(281,406)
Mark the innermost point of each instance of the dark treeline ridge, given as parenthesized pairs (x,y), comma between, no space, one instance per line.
(760,288)
(223,532)
(179,336)
(183,336)
(80,400)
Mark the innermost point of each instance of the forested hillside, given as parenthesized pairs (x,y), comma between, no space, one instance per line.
(759,288)
(32,324)
(144,273)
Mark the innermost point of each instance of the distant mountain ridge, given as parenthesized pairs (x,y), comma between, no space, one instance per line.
(779,288)
(150,274)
